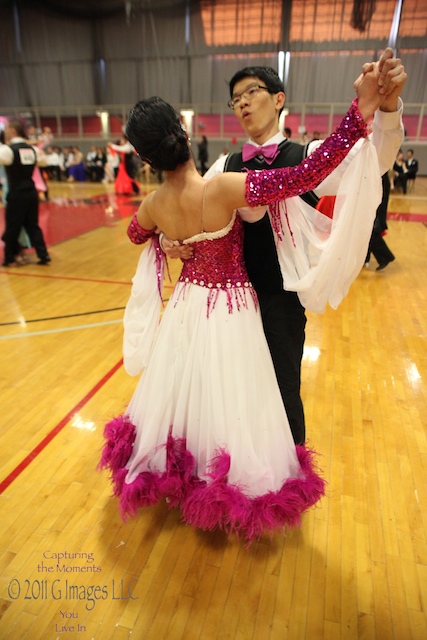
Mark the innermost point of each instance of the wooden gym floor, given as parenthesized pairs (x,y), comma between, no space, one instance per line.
(70,568)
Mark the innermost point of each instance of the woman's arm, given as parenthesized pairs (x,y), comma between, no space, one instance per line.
(272,185)
(256,188)
(142,226)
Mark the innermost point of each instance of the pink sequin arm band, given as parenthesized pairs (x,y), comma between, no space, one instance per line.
(270,185)
(137,234)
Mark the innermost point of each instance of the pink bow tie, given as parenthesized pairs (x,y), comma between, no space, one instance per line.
(269,152)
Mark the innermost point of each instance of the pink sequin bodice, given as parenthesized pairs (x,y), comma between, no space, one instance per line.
(217,261)
(217,264)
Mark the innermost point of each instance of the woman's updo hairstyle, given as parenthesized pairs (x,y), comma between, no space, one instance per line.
(155,130)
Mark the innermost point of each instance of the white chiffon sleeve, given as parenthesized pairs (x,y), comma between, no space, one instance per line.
(325,256)
(142,313)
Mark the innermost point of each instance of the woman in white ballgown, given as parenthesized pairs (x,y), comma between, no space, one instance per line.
(206,428)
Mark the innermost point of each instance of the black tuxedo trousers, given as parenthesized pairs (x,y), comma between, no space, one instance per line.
(282,314)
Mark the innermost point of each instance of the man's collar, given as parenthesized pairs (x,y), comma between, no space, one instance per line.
(276,139)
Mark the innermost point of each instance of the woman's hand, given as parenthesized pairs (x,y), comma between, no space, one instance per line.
(368,90)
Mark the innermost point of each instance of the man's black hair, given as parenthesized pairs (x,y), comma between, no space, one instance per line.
(267,75)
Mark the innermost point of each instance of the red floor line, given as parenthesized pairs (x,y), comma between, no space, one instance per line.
(40,275)
(52,434)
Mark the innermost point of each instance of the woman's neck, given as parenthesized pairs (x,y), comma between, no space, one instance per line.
(182,173)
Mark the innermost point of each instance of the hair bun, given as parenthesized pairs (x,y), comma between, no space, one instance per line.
(171,150)
(154,128)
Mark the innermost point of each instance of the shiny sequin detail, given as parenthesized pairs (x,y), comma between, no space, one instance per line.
(218,265)
(271,186)
(139,235)
(160,262)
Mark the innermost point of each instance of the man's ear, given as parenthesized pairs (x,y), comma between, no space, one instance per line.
(280,99)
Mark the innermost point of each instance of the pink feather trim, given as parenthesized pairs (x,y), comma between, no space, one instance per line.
(213,504)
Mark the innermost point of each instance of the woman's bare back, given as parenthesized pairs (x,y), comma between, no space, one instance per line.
(184,207)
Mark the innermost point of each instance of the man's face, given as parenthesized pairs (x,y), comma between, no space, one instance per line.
(259,115)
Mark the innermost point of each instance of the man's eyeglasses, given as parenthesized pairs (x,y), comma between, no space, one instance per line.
(248,93)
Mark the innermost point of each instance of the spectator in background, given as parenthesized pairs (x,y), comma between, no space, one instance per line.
(53,166)
(411,165)
(76,167)
(399,169)
(303,135)
(90,156)
(203,155)
(65,157)
(288,132)
(96,160)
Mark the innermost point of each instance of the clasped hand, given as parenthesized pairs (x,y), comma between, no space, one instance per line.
(390,76)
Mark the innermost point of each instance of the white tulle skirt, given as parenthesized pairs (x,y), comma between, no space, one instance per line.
(206,428)
(212,380)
